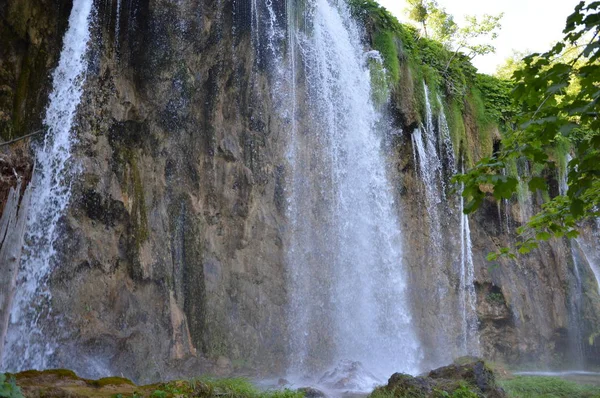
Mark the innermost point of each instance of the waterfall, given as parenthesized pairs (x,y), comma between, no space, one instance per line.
(588,243)
(433,153)
(468,296)
(348,284)
(117,25)
(28,345)
(576,304)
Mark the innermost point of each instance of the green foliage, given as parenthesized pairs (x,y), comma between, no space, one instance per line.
(495,298)
(510,65)
(159,394)
(499,107)
(464,391)
(385,43)
(242,388)
(9,388)
(558,96)
(442,24)
(547,387)
(418,11)
(472,36)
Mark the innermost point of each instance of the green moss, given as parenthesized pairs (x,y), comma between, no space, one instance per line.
(484,124)
(385,43)
(242,388)
(495,298)
(112,381)
(380,92)
(139,217)
(458,133)
(63,373)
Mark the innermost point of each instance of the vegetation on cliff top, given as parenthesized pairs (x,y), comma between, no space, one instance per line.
(468,96)
(546,111)
(558,98)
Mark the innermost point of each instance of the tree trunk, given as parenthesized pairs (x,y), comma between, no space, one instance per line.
(12,232)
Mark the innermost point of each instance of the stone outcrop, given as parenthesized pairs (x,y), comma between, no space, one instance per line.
(471,379)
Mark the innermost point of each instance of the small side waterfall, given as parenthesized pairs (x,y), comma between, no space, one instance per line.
(434,156)
(468,296)
(28,345)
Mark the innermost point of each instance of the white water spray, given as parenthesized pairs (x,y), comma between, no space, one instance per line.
(28,346)
(348,293)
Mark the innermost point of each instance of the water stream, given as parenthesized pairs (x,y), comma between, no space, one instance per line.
(28,345)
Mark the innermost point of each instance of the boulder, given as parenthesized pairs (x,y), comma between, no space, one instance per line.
(474,377)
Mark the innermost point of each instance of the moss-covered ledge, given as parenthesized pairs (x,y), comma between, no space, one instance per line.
(477,106)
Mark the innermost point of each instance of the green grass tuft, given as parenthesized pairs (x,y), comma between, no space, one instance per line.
(242,388)
(547,387)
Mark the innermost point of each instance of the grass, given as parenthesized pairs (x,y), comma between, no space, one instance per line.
(243,388)
(117,387)
(547,387)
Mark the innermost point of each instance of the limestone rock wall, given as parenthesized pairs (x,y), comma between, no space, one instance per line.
(172,250)
(30,40)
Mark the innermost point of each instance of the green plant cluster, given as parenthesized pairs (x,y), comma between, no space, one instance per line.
(462,390)
(495,298)
(558,97)
(547,387)
(9,388)
(410,60)
(211,387)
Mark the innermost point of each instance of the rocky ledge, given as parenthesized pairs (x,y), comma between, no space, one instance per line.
(469,379)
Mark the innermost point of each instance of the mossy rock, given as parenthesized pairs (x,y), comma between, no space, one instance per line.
(470,377)
(110,381)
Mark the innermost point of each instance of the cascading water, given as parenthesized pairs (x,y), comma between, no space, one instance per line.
(468,296)
(588,242)
(434,155)
(348,286)
(28,346)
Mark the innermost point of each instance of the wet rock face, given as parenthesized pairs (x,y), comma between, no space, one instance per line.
(30,40)
(473,378)
(172,250)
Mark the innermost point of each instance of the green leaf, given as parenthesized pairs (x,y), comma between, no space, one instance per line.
(577,206)
(524,250)
(543,236)
(492,256)
(572,234)
(537,183)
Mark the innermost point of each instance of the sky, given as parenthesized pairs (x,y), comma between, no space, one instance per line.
(527,26)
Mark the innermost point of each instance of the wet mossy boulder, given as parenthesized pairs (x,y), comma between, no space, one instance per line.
(467,380)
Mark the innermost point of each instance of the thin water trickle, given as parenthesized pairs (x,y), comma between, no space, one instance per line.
(28,345)
(434,156)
